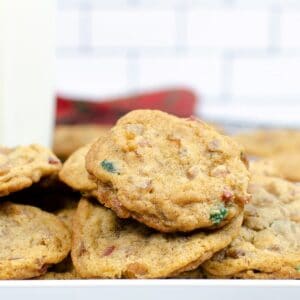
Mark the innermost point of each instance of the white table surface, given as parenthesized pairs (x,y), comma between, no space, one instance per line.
(151,289)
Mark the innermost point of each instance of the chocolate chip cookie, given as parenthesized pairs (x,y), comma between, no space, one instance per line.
(22,166)
(269,242)
(169,173)
(105,246)
(31,240)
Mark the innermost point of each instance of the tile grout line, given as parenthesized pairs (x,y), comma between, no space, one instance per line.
(85,27)
(274,29)
(133,69)
(226,76)
(180,28)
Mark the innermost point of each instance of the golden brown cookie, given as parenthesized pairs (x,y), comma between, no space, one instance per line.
(287,272)
(53,275)
(194,274)
(31,240)
(218,127)
(75,175)
(269,242)
(66,214)
(169,173)
(105,246)
(22,166)
(69,138)
(63,271)
(264,167)
(265,143)
(288,163)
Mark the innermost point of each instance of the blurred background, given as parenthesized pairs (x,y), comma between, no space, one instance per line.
(240,57)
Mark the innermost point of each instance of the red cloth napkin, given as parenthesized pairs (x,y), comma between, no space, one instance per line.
(180,102)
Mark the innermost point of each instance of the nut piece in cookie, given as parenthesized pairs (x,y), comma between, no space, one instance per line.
(269,242)
(169,173)
(22,166)
(31,240)
(105,246)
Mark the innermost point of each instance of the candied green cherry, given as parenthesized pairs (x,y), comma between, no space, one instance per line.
(218,215)
(108,166)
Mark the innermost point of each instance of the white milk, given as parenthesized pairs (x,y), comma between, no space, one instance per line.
(27,53)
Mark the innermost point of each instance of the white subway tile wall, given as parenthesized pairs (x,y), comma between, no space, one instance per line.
(232,53)
(182,70)
(289,34)
(133,28)
(89,76)
(229,28)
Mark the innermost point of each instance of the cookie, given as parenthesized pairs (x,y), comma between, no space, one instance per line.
(63,271)
(169,173)
(66,214)
(288,163)
(218,127)
(269,242)
(265,143)
(194,274)
(31,240)
(68,275)
(75,175)
(287,272)
(69,138)
(22,166)
(264,167)
(105,246)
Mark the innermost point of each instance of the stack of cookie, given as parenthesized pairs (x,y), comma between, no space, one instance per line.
(268,246)
(31,239)
(172,194)
(154,197)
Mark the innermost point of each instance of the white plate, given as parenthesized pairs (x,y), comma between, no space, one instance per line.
(151,289)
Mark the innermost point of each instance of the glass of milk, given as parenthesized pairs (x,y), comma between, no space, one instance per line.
(27,54)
